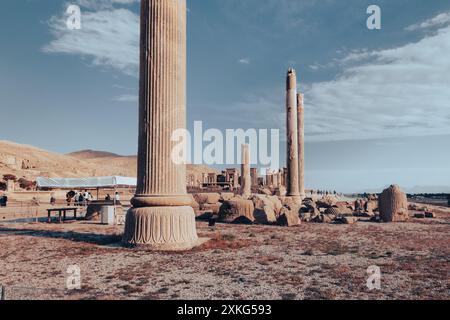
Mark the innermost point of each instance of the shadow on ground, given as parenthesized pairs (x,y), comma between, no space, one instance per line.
(90,238)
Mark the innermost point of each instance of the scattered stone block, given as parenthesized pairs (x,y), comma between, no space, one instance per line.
(226,196)
(393,205)
(266,215)
(324,218)
(335,211)
(233,210)
(349,220)
(265,191)
(289,217)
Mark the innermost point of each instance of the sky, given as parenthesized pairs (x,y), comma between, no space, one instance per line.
(377,101)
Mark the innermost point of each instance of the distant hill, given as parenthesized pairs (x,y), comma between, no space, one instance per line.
(92,154)
(414,190)
(30,162)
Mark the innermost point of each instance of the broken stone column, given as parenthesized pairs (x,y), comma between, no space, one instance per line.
(246,180)
(254,176)
(161,216)
(279,179)
(393,205)
(301,144)
(284,177)
(292,137)
(274,179)
(267,180)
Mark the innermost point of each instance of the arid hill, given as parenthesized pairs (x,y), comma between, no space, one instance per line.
(92,154)
(30,162)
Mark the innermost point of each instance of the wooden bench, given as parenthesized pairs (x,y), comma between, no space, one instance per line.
(62,213)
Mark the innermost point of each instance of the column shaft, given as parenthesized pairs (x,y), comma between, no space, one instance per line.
(161,216)
(246,180)
(162,103)
(292,135)
(301,144)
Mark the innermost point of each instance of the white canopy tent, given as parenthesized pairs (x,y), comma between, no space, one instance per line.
(88,183)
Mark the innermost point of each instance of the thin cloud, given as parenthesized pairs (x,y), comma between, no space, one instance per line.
(109,37)
(103,4)
(437,21)
(126,98)
(400,92)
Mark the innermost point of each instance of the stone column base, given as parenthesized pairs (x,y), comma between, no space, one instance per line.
(161,228)
(295,199)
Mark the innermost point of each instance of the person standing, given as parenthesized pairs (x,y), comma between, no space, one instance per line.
(52,200)
(80,199)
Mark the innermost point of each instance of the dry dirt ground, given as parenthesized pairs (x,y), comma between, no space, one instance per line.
(312,261)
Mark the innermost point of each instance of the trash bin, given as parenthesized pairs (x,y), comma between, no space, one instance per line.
(108,215)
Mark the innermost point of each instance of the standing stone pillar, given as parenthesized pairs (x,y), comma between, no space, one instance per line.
(235,180)
(279,178)
(254,176)
(301,144)
(292,137)
(274,179)
(246,180)
(161,216)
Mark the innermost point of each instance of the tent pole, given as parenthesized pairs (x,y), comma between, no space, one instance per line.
(37,202)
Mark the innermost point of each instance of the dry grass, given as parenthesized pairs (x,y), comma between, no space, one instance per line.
(312,261)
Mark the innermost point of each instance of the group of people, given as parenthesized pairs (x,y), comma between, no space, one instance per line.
(83,198)
(116,197)
(79,198)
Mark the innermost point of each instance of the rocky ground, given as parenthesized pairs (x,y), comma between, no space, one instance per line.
(310,261)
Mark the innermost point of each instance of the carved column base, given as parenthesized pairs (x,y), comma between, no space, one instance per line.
(295,199)
(161,228)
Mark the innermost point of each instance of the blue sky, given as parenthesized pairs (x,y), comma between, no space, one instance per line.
(377,102)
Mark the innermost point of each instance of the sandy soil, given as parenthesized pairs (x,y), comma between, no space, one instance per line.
(312,261)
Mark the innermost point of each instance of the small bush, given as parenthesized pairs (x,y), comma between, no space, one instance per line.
(26,184)
(9,177)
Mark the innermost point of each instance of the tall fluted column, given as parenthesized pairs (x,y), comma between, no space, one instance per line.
(161,216)
(292,136)
(301,144)
(246,180)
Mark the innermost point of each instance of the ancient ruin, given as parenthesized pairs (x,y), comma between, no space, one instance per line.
(246,181)
(254,177)
(161,216)
(393,205)
(301,144)
(292,137)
